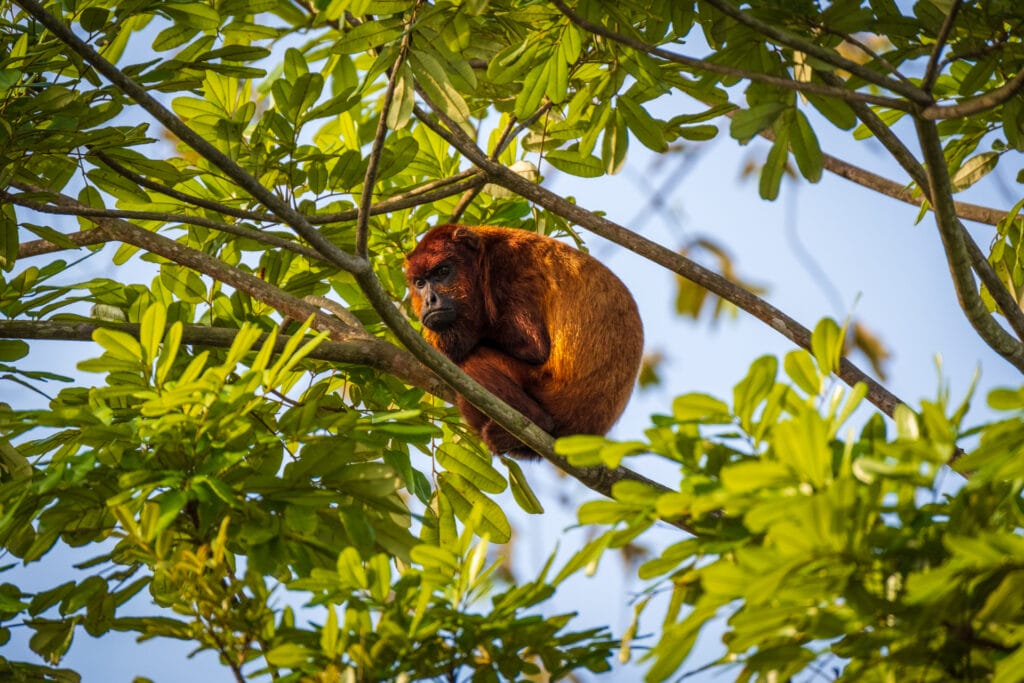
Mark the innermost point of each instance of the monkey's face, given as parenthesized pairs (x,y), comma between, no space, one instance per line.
(438,308)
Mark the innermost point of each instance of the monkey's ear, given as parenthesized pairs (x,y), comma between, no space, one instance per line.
(467,237)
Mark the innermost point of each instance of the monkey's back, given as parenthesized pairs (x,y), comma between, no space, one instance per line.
(594,327)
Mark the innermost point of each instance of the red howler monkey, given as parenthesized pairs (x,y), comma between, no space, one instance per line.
(543,326)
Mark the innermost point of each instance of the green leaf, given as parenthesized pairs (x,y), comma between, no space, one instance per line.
(289,655)
(749,122)
(573,163)
(754,388)
(751,476)
(8,237)
(521,491)
(12,350)
(703,408)
(614,143)
(368,35)
(827,345)
(974,169)
(436,558)
(120,345)
(435,83)
(646,129)
(52,638)
(775,165)
(806,150)
(475,467)
(404,98)
(799,365)
(534,85)
(151,331)
(305,92)
(465,498)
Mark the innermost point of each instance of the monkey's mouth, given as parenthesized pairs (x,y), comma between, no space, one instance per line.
(438,319)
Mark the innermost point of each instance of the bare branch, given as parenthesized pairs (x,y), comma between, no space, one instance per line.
(83,238)
(712,67)
(976,105)
(389,358)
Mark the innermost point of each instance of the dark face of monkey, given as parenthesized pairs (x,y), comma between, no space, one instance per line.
(439,310)
(443,273)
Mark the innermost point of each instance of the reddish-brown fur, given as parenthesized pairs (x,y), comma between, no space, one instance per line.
(543,326)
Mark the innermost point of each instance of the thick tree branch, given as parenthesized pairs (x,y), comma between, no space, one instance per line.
(391,359)
(760,309)
(712,67)
(957,253)
(353,352)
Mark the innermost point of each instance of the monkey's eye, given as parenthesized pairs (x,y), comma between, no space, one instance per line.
(419,283)
(443,271)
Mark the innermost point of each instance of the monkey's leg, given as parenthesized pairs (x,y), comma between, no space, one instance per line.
(501,375)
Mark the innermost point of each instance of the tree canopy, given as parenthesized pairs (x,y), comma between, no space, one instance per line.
(258,426)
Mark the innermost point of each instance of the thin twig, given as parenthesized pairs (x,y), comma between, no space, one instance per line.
(189,199)
(424,194)
(931,72)
(377,149)
(90,212)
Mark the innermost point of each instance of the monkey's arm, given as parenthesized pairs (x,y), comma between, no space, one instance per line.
(503,376)
(523,334)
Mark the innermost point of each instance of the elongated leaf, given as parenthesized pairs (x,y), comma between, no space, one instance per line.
(151,331)
(646,129)
(120,345)
(368,35)
(576,164)
(521,490)
(435,82)
(471,465)
(806,150)
(974,169)
(465,498)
